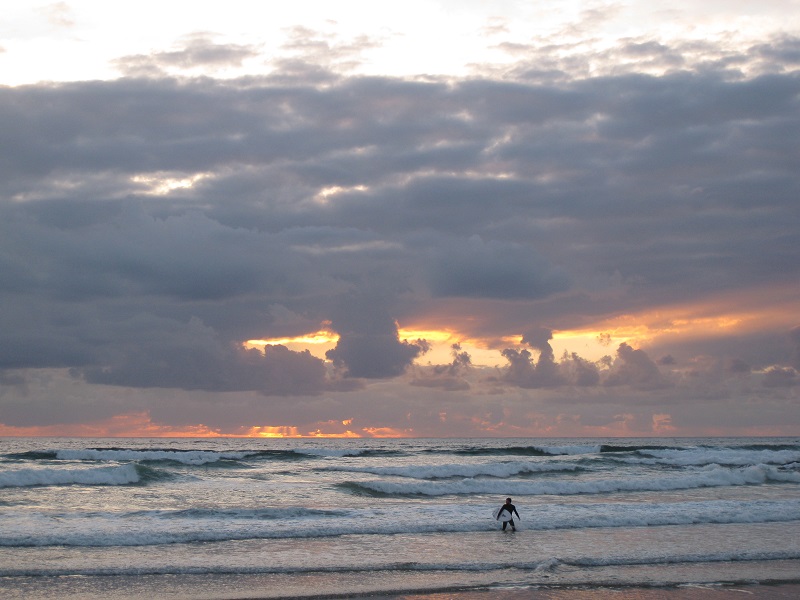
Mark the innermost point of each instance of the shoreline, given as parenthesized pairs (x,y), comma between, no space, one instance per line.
(258,587)
(754,591)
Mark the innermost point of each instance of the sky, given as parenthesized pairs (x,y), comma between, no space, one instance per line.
(416,219)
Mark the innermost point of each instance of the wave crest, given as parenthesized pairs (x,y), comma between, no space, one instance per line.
(116,475)
(712,477)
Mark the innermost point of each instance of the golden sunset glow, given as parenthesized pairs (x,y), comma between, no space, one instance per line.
(316,342)
(430,335)
(388,432)
(647,327)
(315,338)
(140,424)
(272,432)
(137,424)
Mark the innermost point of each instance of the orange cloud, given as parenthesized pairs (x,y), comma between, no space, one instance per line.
(387,432)
(138,424)
(321,434)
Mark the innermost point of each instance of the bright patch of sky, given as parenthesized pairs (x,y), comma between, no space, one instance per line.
(81,39)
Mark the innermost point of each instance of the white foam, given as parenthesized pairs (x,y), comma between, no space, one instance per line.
(719,456)
(191,457)
(95,529)
(117,475)
(507,469)
(712,477)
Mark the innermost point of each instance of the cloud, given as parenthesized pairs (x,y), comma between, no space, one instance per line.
(635,368)
(197,51)
(58,14)
(523,372)
(369,344)
(192,358)
(579,371)
(794,338)
(149,226)
(495,269)
(449,377)
(778,377)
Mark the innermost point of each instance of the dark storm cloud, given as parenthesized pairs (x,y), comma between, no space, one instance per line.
(794,338)
(494,269)
(178,361)
(369,345)
(149,226)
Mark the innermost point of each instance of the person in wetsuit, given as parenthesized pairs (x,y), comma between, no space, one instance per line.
(511,509)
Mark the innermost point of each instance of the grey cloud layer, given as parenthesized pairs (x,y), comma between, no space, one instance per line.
(364,199)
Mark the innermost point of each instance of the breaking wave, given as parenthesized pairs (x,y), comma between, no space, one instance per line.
(525,450)
(716,456)
(507,469)
(192,457)
(117,475)
(153,528)
(713,477)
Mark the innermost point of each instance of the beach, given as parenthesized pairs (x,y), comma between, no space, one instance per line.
(224,519)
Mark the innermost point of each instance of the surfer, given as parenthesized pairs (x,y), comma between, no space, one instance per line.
(510,509)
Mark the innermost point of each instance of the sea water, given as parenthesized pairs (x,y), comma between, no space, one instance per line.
(237,518)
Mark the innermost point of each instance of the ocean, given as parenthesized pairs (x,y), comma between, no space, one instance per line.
(283,518)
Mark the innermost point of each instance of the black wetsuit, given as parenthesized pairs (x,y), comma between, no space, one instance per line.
(511,509)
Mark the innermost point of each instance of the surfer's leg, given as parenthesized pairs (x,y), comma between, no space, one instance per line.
(504,525)
(513,527)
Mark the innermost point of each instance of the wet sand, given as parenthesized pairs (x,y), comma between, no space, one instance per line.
(217,588)
(333,587)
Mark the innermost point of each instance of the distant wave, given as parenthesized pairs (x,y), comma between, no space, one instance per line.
(577,449)
(611,448)
(116,475)
(769,447)
(187,457)
(192,457)
(506,469)
(717,477)
(716,456)
(341,452)
(524,450)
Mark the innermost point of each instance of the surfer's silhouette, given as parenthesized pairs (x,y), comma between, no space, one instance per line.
(510,509)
